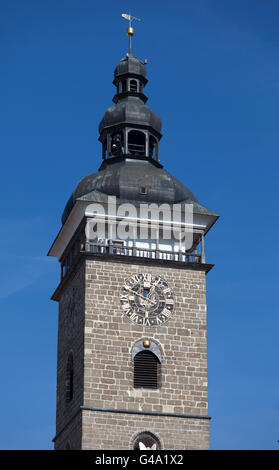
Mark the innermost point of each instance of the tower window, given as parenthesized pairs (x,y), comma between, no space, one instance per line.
(124,86)
(117,144)
(136,143)
(143,190)
(70,378)
(104,150)
(146,441)
(152,147)
(146,370)
(133,86)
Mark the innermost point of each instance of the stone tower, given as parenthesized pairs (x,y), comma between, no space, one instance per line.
(132,348)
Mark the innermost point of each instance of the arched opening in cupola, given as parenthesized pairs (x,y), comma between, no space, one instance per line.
(136,143)
(153,147)
(133,86)
(124,86)
(117,148)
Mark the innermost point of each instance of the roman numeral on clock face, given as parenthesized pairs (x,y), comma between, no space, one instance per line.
(146,299)
(134,317)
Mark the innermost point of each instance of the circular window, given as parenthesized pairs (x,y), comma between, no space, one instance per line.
(146,441)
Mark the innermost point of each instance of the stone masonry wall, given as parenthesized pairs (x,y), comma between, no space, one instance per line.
(108,368)
(112,431)
(70,340)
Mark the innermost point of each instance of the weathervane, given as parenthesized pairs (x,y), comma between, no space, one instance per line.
(130,30)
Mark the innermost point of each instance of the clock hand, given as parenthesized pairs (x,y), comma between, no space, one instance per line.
(150,292)
(145,298)
(140,295)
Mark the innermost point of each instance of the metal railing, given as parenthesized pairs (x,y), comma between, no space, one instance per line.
(119,249)
(116,249)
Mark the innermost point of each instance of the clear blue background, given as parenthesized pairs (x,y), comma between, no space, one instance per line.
(214,80)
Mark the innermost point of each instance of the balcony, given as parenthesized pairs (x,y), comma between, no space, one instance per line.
(108,248)
(118,248)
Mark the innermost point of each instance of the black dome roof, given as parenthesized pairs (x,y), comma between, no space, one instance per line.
(131,65)
(130,110)
(124,180)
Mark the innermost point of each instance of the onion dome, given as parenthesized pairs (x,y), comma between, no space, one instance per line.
(130,65)
(130,111)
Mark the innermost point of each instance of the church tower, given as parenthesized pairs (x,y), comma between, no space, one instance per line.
(132,346)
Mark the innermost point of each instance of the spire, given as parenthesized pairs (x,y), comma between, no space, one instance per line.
(130,29)
(130,129)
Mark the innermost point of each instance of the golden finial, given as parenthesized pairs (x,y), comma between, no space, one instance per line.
(130,29)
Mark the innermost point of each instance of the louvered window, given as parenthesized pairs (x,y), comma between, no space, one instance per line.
(146,370)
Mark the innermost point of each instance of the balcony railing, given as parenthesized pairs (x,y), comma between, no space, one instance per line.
(117,249)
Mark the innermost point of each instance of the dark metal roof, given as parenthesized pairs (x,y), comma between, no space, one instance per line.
(125,179)
(130,110)
(131,65)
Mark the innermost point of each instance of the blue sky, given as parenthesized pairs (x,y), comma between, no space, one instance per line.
(214,80)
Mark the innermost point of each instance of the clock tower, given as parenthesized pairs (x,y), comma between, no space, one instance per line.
(132,345)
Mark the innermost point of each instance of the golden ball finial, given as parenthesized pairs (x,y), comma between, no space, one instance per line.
(146,343)
(130,31)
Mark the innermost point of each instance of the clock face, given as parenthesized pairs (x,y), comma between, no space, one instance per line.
(146,300)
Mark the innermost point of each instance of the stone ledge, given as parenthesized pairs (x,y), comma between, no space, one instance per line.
(108,257)
(130,412)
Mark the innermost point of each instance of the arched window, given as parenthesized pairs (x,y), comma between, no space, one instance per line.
(152,146)
(133,86)
(146,441)
(136,143)
(104,150)
(146,370)
(124,86)
(117,148)
(70,378)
